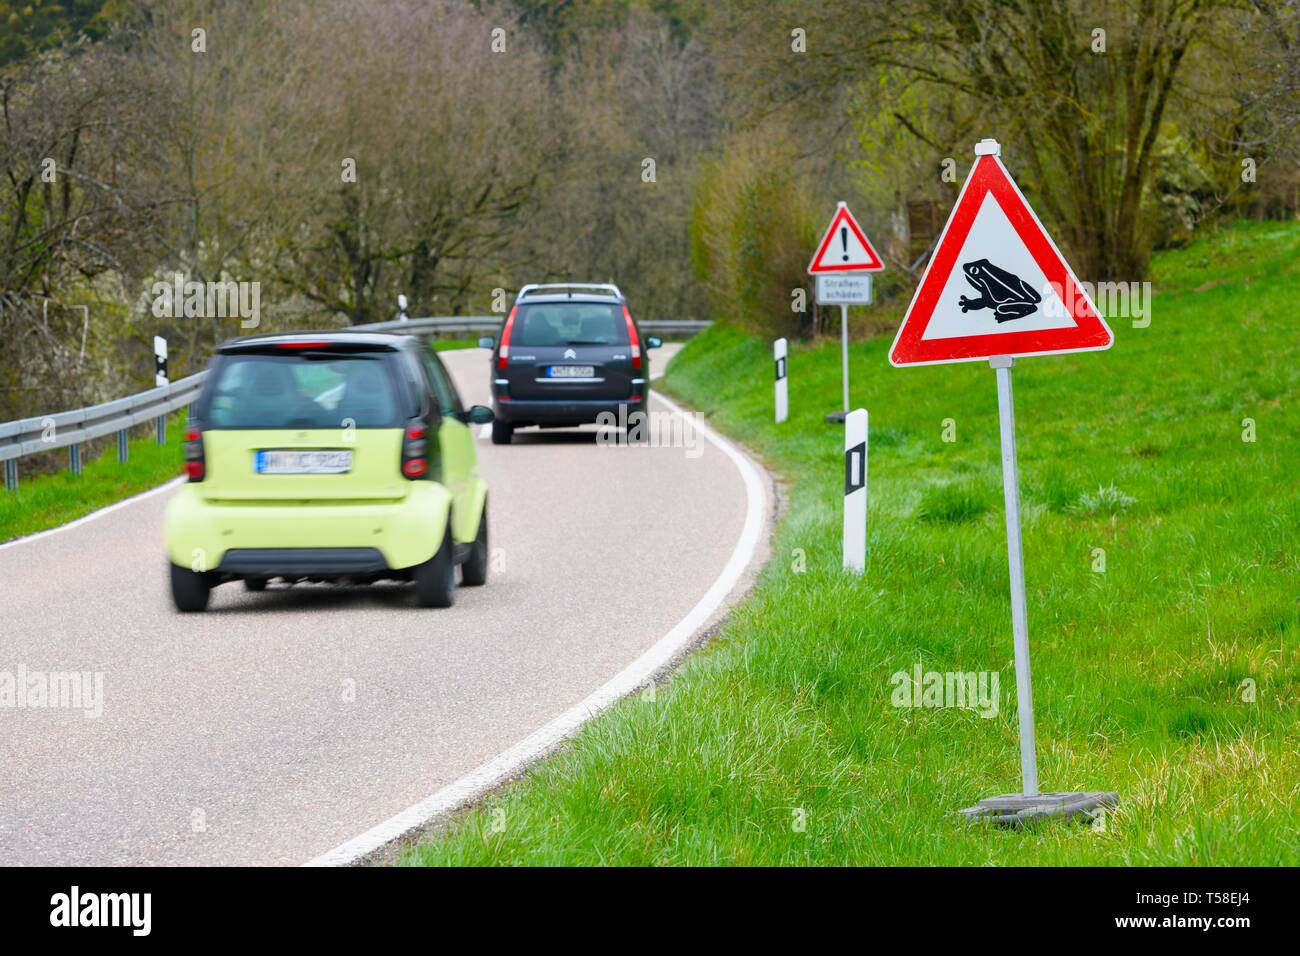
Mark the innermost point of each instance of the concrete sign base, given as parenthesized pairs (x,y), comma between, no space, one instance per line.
(1016,810)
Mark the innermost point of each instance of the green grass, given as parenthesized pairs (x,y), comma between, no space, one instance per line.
(44,501)
(1138,671)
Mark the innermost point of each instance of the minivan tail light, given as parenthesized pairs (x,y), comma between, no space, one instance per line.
(632,338)
(503,354)
(195,464)
(415,448)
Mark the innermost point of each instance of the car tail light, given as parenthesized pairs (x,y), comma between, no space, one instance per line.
(195,464)
(415,447)
(302,345)
(632,338)
(504,353)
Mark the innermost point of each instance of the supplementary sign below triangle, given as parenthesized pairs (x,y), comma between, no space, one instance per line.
(845,247)
(996,284)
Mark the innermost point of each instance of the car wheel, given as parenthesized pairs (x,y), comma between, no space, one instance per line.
(254,584)
(435,580)
(190,589)
(475,569)
(502,432)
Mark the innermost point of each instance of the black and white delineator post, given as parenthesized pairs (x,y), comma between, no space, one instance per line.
(780,352)
(855,490)
(160,379)
(996,288)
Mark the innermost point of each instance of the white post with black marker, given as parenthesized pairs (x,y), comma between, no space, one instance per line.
(160,379)
(855,490)
(780,352)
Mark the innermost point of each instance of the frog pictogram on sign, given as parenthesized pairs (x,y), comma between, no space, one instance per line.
(996,284)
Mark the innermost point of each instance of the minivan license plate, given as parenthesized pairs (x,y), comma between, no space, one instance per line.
(302,462)
(572,371)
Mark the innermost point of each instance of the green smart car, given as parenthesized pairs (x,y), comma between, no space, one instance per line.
(328,456)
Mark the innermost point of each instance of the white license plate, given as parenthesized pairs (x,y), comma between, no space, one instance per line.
(572,371)
(302,462)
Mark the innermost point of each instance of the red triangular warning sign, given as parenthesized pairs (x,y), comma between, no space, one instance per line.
(845,247)
(996,284)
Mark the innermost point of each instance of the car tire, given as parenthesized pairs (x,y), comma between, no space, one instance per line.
(502,432)
(474,571)
(435,580)
(254,584)
(190,590)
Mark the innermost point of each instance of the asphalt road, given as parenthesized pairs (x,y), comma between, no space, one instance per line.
(279,725)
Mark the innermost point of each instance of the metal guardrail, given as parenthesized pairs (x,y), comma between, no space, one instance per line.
(45,433)
(492,323)
(29,436)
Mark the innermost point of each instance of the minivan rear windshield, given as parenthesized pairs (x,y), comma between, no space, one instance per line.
(569,323)
(302,390)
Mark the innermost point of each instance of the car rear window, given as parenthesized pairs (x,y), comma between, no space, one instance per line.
(309,390)
(569,323)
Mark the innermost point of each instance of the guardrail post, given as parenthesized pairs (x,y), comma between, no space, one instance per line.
(11,474)
(74,458)
(161,421)
(122,451)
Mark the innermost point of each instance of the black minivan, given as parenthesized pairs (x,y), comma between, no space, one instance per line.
(568,352)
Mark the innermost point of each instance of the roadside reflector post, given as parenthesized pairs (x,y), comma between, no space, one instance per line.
(780,351)
(1016,568)
(160,379)
(855,490)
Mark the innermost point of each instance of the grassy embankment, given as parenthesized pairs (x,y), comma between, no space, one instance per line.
(1171,677)
(45,500)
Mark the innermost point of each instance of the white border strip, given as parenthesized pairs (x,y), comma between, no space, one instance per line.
(507,764)
(99,513)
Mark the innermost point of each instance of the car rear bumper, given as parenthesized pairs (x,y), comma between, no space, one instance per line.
(306,538)
(566,411)
(313,562)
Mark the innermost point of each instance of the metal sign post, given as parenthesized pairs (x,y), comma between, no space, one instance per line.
(843,264)
(780,352)
(1009,302)
(1016,564)
(844,352)
(844,289)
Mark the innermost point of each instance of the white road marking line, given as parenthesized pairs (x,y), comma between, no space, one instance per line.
(507,764)
(485,431)
(107,509)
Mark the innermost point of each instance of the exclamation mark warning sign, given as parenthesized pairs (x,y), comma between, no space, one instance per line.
(845,247)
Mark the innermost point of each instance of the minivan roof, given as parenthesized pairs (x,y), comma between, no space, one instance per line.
(576,297)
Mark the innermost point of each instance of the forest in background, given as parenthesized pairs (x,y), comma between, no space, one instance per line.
(339,153)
